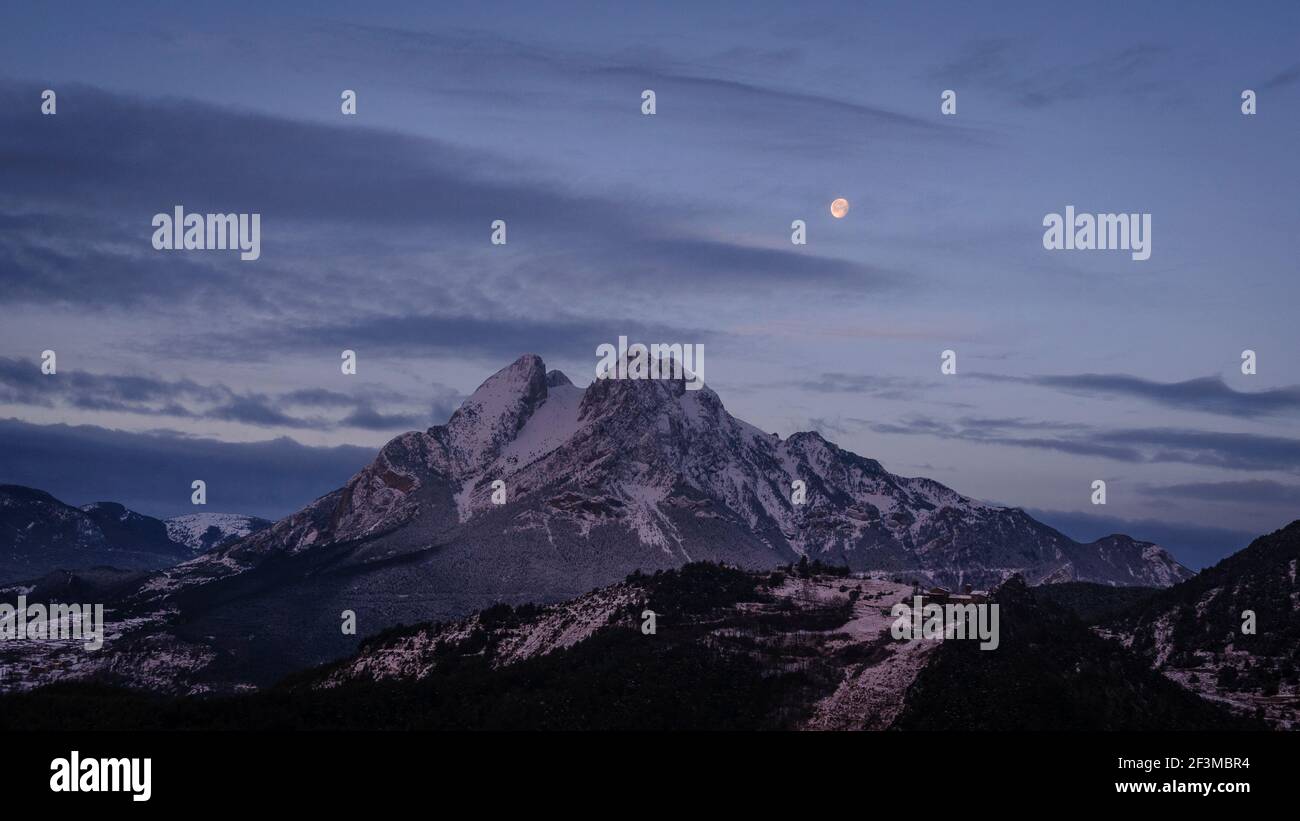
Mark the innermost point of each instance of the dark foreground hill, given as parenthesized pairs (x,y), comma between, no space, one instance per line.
(1050,672)
(1232,633)
(1093,603)
(807,647)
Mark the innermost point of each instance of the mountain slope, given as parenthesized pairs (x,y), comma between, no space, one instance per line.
(801,648)
(1195,632)
(39,534)
(625,475)
(201,532)
(670,472)
(732,650)
(1049,673)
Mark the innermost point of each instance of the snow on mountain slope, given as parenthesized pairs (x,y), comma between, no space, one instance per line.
(202,532)
(552,424)
(414,656)
(650,463)
(494,414)
(625,475)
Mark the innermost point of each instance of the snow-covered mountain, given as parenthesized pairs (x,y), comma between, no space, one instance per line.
(665,472)
(621,476)
(201,532)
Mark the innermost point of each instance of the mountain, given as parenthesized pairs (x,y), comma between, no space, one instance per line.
(39,534)
(806,647)
(1196,632)
(593,484)
(668,476)
(201,532)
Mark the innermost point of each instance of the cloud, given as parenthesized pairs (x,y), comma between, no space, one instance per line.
(1285,77)
(1209,394)
(359,225)
(318,398)
(831,427)
(1015,423)
(78,201)
(422,334)
(258,410)
(674,258)
(1233,451)
(22,383)
(152,472)
(1007,65)
(498,66)
(1254,491)
(367,418)
(879,387)
(995,432)
(795,114)
(1230,451)
(981,60)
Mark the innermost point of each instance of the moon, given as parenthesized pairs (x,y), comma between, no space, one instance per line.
(839,208)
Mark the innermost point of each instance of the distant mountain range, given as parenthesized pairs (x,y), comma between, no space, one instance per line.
(625,475)
(40,534)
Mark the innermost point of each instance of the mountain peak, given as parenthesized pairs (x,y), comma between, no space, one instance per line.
(495,412)
(555,379)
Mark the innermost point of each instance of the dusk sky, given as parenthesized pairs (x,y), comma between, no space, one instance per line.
(1072,366)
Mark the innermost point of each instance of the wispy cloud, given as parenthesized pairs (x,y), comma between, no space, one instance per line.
(1007,65)
(1253,491)
(502,339)
(1208,394)
(880,387)
(494,64)
(396,220)
(22,383)
(1230,451)
(1286,77)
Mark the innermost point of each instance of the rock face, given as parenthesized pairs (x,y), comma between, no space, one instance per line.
(39,534)
(593,484)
